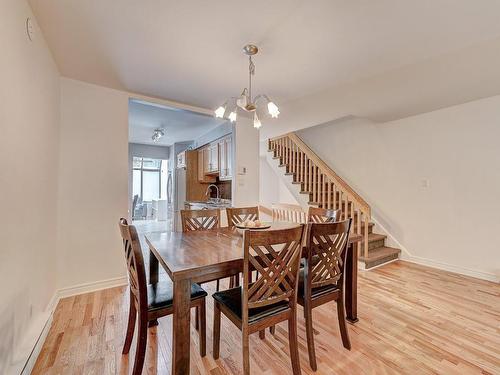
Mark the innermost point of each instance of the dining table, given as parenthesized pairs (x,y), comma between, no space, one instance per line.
(202,256)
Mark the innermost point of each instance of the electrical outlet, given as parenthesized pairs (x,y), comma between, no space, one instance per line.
(425,183)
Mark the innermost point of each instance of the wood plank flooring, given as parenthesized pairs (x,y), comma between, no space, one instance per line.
(413,320)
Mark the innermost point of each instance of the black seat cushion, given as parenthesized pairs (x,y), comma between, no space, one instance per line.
(161,295)
(316,292)
(231,298)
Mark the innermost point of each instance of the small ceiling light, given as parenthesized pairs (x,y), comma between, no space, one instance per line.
(232,116)
(273,109)
(157,134)
(256,122)
(219,112)
(245,101)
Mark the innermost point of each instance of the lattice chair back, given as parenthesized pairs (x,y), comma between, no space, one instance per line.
(135,263)
(322,215)
(275,255)
(196,220)
(327,244)
(241,214)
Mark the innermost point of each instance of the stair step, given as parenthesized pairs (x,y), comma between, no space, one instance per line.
(376,240)
(379,256)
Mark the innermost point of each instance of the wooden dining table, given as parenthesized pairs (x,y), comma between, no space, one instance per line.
(201,256)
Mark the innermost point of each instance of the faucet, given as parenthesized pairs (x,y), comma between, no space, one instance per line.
(216,188)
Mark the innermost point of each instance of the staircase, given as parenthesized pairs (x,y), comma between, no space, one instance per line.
(314,183)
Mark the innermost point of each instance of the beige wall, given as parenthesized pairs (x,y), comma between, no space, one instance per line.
(29,122)
(453,223)
(93,187)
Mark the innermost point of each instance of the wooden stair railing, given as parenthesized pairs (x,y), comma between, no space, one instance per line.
(326,188)
(288,212)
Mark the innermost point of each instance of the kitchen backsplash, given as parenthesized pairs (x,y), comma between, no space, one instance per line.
(224,189)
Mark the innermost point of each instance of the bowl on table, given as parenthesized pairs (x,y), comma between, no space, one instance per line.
(252,225)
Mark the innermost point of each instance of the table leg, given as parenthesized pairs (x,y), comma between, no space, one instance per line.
(181,331)
(351,283)
(153,278)
(153,268)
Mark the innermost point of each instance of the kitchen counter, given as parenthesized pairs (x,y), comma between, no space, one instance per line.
(200,205)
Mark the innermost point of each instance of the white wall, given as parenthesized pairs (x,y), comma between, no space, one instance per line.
(454,222)
(246,155)
(29,123)
(453,78)
(272,189)
(93,186)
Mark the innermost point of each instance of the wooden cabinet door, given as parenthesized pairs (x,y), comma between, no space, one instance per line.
(222,160)
(228,146)
(214,157)
(206,160)
(201,171)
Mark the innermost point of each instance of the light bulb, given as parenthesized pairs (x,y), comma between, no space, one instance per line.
(256,122)
(219,112)
(273,109)
(232,116)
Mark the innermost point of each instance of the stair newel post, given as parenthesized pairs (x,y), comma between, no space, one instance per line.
(366,236)
(352,212)
(334,196)
(358,227)
(329,184)
(302,178)
(315,183)
(323,186)
(294,161)
(309,167)
(288,160)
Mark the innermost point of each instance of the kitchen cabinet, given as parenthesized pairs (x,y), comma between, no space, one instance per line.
(203,163)
(225,159)
(213,157)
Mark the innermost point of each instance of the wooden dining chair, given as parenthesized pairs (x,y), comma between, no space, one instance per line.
(272,298)
(322,215)
(201,220)
(322,278)
(239,215)
(153,301)
(196,220)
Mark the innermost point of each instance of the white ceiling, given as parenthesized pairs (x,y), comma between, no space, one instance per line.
(179,125)
(190,51)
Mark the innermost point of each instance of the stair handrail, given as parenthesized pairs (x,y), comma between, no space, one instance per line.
(326,169)
(343,186)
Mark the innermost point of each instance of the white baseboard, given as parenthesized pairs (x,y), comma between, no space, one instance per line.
(407,256)
(452,268)
(30,362)
(63,293)
(91,287)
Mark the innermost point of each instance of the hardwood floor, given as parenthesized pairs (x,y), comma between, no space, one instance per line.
(413,320)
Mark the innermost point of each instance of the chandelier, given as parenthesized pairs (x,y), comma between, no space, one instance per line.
(157,134)
(245,101)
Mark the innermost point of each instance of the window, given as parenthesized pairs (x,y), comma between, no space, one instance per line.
(147,179)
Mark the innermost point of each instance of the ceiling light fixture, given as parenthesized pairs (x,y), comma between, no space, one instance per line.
(157,134)
(245,101)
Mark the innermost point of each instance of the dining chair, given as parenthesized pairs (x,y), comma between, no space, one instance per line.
(153,301)
(196,220)
(239,215)
(272,298)
(201,220)
(322,215)
(322,280)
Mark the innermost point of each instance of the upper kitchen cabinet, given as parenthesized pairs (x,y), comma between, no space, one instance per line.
(213,165)
(203,166)
(225,159)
